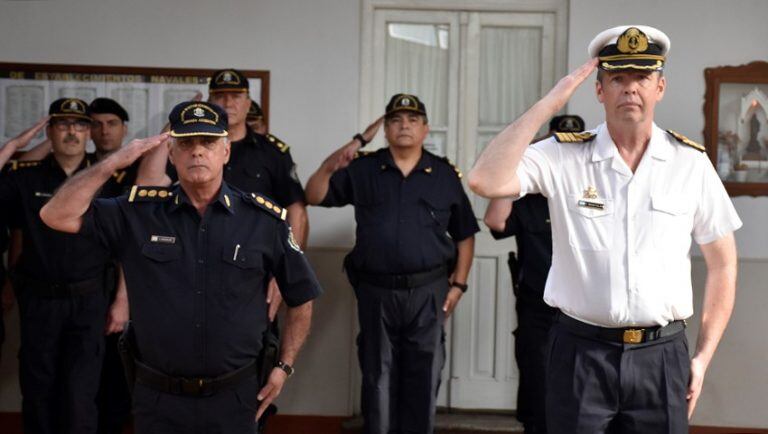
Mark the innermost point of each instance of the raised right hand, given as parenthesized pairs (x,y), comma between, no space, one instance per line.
(563,90)
(131,152)
(27,135)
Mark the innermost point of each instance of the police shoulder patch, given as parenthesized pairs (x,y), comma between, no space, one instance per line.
(686,141)
(453,166)
(574,137)
(282,147)
(141,193)
(266,204)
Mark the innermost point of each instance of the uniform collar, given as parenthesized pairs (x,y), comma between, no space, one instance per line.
(225,198)
(659,148)
(86,162)
(425,164)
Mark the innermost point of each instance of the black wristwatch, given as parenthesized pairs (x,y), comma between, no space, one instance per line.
(285,367)
(462,286)
(359,137)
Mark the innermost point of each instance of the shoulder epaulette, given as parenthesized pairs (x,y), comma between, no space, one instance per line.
(455,169)
(149,194)
(267,205)
(119,175)
(16,164)
(575,137)
(360,154)
(686,141)
(282,147)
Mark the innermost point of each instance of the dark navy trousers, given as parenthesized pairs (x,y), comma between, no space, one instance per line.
(401,350)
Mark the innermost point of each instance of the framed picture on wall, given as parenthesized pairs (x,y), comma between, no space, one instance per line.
(148,94)
(736,126)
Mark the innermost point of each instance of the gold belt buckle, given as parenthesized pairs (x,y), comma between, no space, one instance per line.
(633,336)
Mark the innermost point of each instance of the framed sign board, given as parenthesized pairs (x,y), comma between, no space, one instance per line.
(148,94)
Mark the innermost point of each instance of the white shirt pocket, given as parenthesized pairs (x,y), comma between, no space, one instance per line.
(671,220)
(589,227)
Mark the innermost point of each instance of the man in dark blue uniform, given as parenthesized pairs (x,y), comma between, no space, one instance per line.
(529,223)
(108,131)
(197,259)
(258,164)
(409,266)
(59,281)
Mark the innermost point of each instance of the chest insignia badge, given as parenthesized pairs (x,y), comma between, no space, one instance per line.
(591,199)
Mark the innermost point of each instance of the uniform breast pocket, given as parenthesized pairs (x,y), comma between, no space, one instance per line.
(370,211)
(258,179)
(591,228)
(161,253)
(434,214)
(243,271)
(671,220)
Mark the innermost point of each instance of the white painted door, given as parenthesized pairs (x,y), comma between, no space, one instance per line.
(475,72)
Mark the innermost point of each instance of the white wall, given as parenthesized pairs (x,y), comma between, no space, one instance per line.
(704,33)
(312,51)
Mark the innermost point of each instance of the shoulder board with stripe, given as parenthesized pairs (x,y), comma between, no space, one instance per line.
(17,165)
(282,147)
(686,141)
(360,154)
(266,204)
(455,169)
(574,137)
(149,194)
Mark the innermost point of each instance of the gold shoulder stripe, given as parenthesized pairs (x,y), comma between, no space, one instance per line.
(574,137)
(16,164)
(268,205)
(282,147)
(360,154)
(686,141)
(455,168)
(149,194)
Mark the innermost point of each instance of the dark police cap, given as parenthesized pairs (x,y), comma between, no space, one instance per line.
(638,47)
(228,80)
(108,106)
(566,124)
(70,108)
(198,118)
(405,102)
(254,111)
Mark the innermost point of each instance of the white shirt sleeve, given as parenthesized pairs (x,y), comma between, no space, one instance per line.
(715,215)
(535,171)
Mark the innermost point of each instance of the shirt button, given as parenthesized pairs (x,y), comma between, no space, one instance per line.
(203,228)
(199,292)
(201,261)
(197,326)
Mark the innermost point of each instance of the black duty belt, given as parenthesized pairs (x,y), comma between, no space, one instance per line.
(201,386)
(403,281)
(629,335)
(45,289)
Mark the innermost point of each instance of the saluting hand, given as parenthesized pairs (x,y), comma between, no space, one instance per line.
(131,152)
(271,390)
(27,135)
(561,93)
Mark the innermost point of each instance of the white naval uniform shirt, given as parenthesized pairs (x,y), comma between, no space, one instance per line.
(627,264)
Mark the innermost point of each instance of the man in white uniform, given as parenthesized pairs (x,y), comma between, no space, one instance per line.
(625,200)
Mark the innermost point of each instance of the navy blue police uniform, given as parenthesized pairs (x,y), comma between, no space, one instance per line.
(529,223)
(59,282)
(114,397)
(197,288)
(405,249)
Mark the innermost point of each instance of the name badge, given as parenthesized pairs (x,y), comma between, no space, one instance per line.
(162,239)
(591,199)
(43,194)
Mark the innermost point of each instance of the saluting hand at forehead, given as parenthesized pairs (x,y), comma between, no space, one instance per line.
(126,155)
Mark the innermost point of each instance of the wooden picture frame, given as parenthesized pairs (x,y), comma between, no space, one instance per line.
(736,126)
(147,93)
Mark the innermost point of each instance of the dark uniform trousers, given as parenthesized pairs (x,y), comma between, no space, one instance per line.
(596,386)
(401,350)
(229,411)
(62,347)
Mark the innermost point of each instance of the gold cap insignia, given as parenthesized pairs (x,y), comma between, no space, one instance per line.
(632,41)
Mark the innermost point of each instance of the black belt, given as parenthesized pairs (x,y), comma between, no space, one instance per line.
(403,281)
(628,335)
(201,386)
(45,289)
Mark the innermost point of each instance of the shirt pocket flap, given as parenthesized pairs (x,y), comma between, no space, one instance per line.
(671,204)
(599,208)
(241,257)
(161,252)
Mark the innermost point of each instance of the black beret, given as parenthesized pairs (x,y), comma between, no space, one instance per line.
(108,106)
